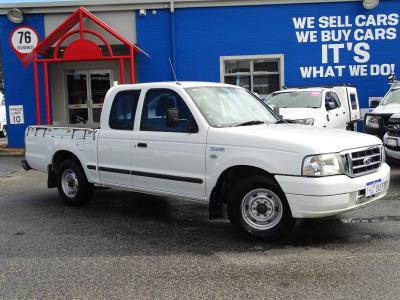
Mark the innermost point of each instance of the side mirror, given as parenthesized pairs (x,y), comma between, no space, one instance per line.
(276,110)
(374,103)
(329,105)
(391,78)
(172,117)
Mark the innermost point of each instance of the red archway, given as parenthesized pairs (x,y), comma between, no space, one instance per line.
(79,49)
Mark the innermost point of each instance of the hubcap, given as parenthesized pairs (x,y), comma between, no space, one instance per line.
(262,209)
(69,183)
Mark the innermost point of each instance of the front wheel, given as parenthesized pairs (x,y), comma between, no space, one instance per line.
(258,209)
(72,184)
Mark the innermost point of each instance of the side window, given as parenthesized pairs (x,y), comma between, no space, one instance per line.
(336,100)
(332,98)
(353,100)
(155,107)
(123,110)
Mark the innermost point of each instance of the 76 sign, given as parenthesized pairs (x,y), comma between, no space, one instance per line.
(23,41)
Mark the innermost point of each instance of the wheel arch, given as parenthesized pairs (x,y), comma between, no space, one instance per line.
(58,157)
(227,179)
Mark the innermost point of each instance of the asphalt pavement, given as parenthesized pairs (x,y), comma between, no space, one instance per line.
(129,246)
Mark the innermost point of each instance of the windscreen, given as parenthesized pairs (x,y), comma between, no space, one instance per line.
(392,98)
(226,106)
(302,99)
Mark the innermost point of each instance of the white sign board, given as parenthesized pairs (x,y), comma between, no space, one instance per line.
(24,40)
(16,113)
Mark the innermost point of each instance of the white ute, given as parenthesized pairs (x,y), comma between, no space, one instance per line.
(333,107)
(217,144)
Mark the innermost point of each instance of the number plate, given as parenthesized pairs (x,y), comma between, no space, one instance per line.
(374,187)
(392,142)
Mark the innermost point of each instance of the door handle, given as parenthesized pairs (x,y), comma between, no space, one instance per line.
(337,115)
(344,112)
(142,145)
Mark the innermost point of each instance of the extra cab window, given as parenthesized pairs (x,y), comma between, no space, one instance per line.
(353,100)
(155,107)
(123,110)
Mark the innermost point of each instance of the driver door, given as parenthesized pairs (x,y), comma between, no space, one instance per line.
(168,159)
(335,112)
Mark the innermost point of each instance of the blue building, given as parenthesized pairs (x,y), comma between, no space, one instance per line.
(260,45)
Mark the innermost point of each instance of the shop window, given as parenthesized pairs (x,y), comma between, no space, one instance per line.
(259,74)
(123,110)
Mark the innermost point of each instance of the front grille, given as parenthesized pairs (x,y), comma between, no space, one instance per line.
(362,162)
(393,132)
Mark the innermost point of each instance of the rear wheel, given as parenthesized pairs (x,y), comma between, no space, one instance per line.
(258,209)
(72,184)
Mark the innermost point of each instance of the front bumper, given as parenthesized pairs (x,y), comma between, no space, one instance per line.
(393,152)
(328,196)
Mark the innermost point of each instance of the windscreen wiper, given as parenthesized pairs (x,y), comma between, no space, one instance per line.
(251,123)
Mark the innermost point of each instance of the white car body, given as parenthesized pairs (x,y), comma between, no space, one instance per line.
(345,116)
(188,165)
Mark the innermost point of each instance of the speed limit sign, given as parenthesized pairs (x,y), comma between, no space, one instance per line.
(23,40)
(16,113)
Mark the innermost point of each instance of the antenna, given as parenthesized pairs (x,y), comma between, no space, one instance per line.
(172,68)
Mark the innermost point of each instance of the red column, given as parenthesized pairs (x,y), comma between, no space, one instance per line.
(36,82)
(121,71)
(47,93)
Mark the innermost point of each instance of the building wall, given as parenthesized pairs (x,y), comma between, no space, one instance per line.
(203,35)
(18,80)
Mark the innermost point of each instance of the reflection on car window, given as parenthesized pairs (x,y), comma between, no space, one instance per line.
(392,98)
(155,107)
(230,106)
(123,110)
(335,99)
(301,99)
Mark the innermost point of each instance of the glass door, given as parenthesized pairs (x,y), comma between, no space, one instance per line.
(86,91)
(77,98)
(100,83)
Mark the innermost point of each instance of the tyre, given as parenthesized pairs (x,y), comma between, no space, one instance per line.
(258,209)
(72,184)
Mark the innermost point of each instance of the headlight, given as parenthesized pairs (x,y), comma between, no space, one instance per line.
(322,165)
(372,121)
(304,121)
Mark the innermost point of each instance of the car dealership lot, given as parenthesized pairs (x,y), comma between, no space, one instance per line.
(128,245)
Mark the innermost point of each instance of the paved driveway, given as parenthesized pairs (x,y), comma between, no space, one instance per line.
(125,245)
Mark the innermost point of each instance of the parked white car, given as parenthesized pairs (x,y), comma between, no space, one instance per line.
(391,138)
(335,107)
(377,121)
(3,119)
(217,144)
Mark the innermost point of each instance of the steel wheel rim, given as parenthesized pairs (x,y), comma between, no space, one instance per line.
(261,209)
(69,183)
